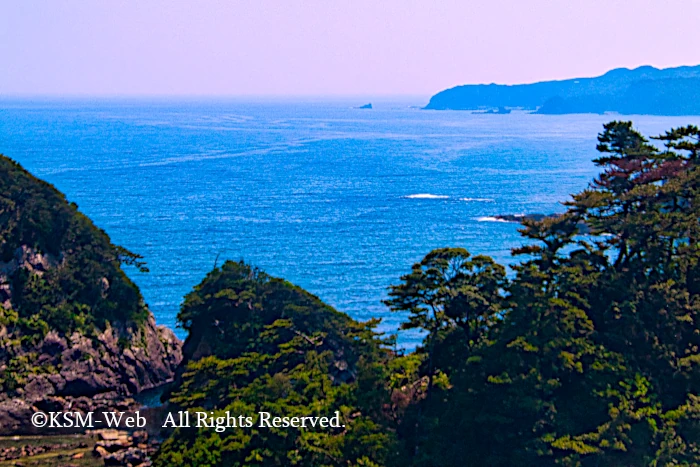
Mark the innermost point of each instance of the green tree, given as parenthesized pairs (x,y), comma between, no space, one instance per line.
(449,292)
(258,343)
(592,357)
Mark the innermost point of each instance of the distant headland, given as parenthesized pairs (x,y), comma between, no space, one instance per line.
(644,91)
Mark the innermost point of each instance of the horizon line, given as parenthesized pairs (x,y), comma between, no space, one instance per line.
(22,95)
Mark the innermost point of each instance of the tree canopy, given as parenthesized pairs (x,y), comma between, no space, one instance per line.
(57,270)
(587,354)
(591,353)
(259,343)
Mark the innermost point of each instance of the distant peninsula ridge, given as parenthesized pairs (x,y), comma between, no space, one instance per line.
(645,90)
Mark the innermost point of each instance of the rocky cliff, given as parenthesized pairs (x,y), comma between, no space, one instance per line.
(74,330)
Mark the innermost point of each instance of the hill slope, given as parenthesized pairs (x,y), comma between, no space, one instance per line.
(72,324)
(258,343)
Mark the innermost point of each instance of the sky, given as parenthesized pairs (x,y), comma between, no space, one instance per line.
(329,47)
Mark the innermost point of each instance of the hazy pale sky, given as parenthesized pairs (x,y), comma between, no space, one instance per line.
(329,47)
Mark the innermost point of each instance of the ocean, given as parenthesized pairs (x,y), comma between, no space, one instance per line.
(337,200)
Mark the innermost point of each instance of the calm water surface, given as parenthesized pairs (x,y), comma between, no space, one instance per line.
(338,200)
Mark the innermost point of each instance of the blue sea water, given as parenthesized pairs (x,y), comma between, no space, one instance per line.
(338,200)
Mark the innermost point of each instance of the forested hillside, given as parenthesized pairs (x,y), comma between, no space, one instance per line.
(258,343)
(72,324)
(588,354)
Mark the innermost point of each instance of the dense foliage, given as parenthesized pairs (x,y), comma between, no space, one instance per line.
(258,343)
(588,354)
(57,270)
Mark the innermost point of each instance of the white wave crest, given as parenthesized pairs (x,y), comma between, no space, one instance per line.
(426,196)
(490,219)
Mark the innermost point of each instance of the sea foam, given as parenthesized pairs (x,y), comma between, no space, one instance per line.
(426,196)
